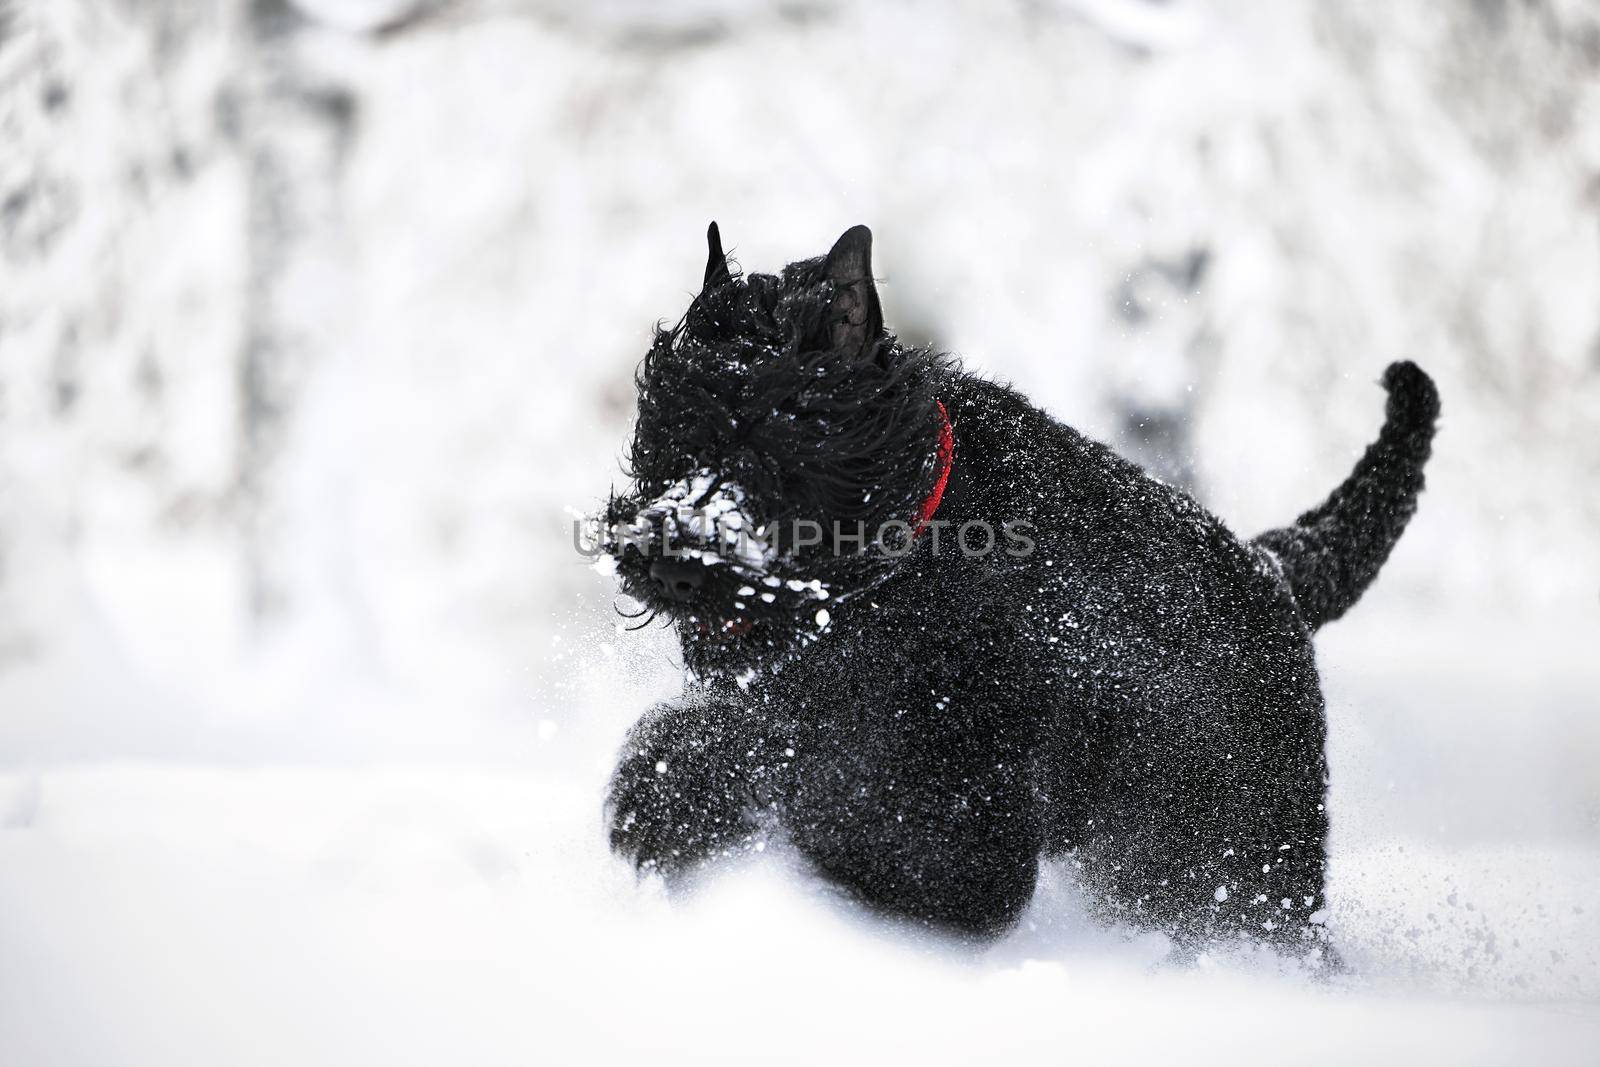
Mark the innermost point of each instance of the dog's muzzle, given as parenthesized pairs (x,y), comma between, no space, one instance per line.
(698,522)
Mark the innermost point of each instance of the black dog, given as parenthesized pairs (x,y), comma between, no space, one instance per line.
(933,634)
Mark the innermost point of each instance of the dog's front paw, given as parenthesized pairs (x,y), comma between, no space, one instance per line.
(682,794)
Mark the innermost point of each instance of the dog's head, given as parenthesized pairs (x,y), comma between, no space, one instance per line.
(784,445)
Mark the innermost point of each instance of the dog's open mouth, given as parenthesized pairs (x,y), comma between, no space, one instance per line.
(723,630)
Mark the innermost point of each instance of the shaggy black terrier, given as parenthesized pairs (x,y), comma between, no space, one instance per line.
(933,634)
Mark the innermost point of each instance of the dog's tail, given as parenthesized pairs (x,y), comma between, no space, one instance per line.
(1332,552)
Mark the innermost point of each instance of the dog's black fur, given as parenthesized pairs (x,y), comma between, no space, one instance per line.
(1139,692)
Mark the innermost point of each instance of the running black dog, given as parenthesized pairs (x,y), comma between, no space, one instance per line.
(933,634)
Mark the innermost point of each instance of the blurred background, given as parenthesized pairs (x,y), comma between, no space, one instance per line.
(318,321)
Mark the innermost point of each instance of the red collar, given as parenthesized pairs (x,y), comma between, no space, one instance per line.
(946,454)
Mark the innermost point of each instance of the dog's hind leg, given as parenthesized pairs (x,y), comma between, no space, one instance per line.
(1254,874)
(1212,824)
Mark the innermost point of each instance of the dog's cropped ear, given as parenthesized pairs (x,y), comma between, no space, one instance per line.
(716,261)
(858,320)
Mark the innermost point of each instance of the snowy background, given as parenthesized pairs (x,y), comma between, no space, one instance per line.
(316,317)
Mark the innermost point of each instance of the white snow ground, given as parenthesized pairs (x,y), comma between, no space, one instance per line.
(368,832)
(367,880)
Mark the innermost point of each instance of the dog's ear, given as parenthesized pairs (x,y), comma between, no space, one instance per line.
(716,261)
(858,320)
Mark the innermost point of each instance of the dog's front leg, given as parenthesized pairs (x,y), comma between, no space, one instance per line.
(694,779)
(920,801)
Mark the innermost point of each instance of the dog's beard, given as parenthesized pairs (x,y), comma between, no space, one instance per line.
(737,635)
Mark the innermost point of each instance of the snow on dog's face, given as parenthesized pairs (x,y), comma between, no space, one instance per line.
(776,412)
(699,518)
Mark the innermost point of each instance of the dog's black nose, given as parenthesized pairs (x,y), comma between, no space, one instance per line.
(680,579)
